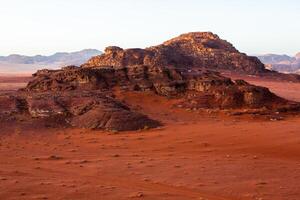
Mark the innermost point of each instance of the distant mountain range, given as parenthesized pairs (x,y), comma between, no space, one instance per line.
(27,64)
(282,63)
(18,64)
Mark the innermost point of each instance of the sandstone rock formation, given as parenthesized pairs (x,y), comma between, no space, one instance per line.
(219,91)
(180,68)
(199,49)
(203,50)
(86,109)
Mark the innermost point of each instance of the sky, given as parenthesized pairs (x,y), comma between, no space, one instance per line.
(31,27)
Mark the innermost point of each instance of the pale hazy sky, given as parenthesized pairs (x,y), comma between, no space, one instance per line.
(47,26)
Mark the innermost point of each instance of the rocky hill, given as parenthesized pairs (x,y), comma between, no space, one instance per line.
(199,49)
(184,68)
(275,59)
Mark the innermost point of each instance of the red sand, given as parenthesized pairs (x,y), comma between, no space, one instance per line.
(284,89)
(13,82)
(194,156)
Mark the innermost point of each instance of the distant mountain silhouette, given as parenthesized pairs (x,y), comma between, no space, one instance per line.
(282,63)
(27,64)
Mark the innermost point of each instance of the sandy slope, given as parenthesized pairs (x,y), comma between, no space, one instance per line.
(13,82)
(194,156)
(286,89)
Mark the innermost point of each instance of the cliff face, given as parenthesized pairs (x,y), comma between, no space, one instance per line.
(192,50)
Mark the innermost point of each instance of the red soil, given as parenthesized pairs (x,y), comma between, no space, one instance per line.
(194,156)
(13,82)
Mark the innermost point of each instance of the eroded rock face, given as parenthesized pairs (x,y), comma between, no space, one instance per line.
(91,110)
(171,82)
(199,49)
(140,78)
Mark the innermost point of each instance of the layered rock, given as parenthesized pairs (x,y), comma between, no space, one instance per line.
(87,109)
(199,49)
(202,50)
(166,81)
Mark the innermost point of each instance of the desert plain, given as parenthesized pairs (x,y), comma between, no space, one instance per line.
(194,155)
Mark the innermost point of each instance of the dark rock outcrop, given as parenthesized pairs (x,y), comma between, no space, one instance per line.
(86,109)
(171,82)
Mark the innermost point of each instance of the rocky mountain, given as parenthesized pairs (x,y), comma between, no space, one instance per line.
(184,68)
(275,59)
(203,50)
(282,63)
(198,49)
(28,64)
